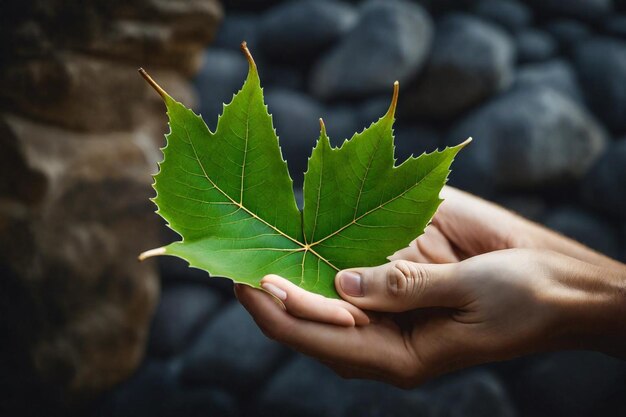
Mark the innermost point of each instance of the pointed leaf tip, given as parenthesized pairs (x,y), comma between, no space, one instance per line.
(394,101)
(153,83)
(322,127)
(466,142)
(246,52)
(150,253)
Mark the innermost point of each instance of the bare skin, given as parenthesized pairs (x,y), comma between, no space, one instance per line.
(480,285)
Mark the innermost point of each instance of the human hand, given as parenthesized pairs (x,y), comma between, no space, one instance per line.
(430,319)
(466,226)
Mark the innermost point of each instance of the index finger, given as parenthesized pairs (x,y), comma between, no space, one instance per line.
(310,306)
(376,348)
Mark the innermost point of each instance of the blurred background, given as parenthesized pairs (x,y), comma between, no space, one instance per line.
(88,331)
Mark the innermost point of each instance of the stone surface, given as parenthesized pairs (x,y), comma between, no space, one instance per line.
(557,74)
(470,61)
(374,108)
(623,255)
(296,119)
(67,89)
(174,270)
(274,76)
(572,383)
(510,14)
(586,10)
(527,205)
(140,33)
(414,139)
(183,309)
(297,31)
(399,32)
(547,139)
(601,65)
(603,187)
(476,394)
(144,393)
(199,402)
(306,388)
(238,27)
(616,26)
(568,33)
(534,45)
(250,5)
(222,74)
(80,134)
(155,391)
(391,404)
(74,216)
(231,353)
(590,230)
(342,122)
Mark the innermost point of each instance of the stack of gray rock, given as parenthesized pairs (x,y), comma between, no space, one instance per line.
(80,132)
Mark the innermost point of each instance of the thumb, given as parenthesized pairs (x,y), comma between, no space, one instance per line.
(399,286)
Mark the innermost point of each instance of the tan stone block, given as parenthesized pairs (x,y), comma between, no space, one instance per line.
(87,93)
(73,242)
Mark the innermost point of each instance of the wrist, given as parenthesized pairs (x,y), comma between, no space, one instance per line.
(591,301)
(534,236)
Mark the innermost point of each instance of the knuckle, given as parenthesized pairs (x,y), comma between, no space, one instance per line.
(406,279)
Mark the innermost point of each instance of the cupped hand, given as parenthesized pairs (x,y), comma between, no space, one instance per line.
(465,226)
(429,319)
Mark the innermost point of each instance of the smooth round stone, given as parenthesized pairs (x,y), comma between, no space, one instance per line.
(601,65)
(390,42)
(603,187)
(557,73)
(510,14)
(232,353)
(298,31)
(534,46)
(548,139)
(471,60)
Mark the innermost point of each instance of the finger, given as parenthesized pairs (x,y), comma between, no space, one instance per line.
(410,253)
(310,306)
(435,246)
(377,349)
(400,286)
(430,247)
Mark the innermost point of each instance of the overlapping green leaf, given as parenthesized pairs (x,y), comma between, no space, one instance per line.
(229,195)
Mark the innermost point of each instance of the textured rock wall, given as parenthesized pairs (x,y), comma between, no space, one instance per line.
(79,138)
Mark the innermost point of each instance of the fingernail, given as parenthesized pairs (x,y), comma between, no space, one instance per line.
(274,290)
(351,283)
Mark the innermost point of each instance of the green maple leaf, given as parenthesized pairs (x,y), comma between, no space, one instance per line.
(229,195)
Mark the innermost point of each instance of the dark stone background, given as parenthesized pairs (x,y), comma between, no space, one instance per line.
(540,85)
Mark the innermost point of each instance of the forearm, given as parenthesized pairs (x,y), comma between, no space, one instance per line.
(592,308)
(540,237)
